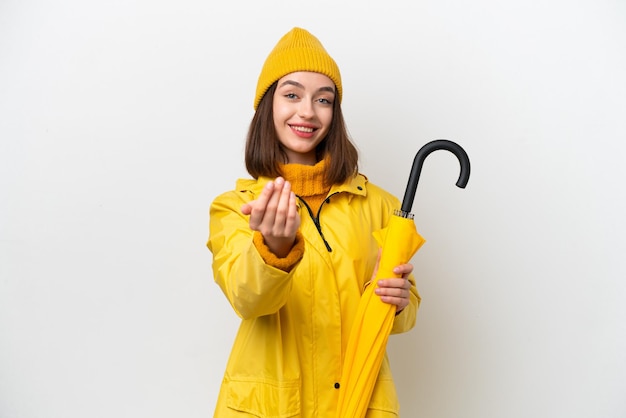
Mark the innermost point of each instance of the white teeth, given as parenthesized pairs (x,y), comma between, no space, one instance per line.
(302,129)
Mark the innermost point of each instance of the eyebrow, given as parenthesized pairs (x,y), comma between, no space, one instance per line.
(299,85)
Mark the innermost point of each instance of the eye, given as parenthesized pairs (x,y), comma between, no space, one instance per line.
(324,100)
(291,96)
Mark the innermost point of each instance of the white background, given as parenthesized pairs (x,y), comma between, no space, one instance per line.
(120,121)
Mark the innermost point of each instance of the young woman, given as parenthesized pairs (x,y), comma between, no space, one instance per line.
(293,248)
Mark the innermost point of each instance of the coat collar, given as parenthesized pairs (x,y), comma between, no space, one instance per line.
(355,186)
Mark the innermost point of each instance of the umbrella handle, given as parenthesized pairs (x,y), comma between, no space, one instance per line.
(418,162)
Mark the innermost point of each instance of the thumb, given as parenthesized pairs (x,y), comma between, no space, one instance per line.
(375,272)
(246,209)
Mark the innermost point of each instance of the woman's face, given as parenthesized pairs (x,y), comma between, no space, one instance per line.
(303,111)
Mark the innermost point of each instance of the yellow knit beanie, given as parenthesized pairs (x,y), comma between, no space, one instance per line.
(297,50)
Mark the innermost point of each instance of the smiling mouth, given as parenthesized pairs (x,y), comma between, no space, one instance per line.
(302,129)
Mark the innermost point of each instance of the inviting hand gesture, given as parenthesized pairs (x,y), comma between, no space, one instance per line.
(275,215)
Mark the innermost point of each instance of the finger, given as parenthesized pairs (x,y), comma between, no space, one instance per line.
(257,211)
(400,302)
(375,272)
(396,291)
(403,269)
(394,283)
(292,222)
(282,209)
(274,198)
(246,208)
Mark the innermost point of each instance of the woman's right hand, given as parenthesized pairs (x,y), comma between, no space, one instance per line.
(274,214)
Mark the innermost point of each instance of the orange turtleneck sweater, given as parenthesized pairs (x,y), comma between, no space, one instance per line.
(308,182)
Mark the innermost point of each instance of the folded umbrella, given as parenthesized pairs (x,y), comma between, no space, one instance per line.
(374,319)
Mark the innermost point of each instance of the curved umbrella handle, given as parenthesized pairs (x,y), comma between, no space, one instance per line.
(418,162)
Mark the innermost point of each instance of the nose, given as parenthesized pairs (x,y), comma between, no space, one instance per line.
(305,109)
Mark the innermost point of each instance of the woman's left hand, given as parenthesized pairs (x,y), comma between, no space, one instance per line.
(396,291)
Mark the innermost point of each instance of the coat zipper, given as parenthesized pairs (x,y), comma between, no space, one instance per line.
(316,219)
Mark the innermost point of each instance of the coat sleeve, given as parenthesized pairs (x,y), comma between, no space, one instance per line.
(252,287)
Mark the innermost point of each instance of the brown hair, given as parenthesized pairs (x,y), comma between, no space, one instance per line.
(264,152)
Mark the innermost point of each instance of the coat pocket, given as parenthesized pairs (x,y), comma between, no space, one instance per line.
(384,401)
(265,399)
